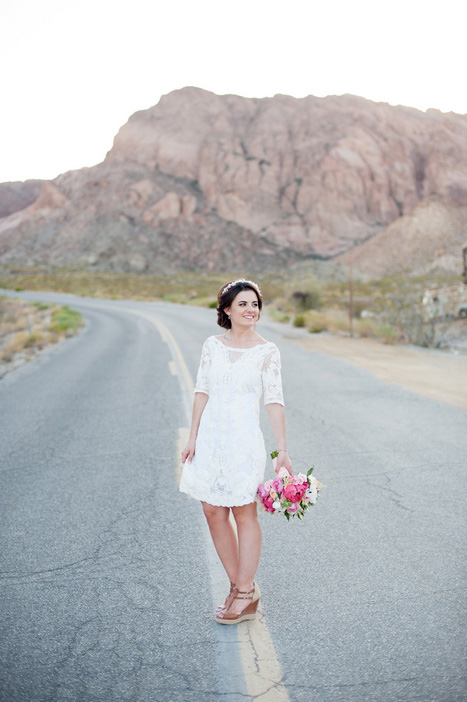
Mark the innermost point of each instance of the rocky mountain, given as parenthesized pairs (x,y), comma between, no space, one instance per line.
(18,195)
(429,238)
(208,181)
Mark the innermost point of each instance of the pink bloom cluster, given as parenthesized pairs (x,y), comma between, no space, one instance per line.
(289,494)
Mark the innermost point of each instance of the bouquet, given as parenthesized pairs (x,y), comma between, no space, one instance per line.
(288,494)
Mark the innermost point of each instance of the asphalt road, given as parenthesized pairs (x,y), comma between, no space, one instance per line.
(104,582)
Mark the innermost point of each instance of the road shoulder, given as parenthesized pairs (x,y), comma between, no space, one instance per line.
(428,372)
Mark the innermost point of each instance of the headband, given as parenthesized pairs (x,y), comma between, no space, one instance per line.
(240,280)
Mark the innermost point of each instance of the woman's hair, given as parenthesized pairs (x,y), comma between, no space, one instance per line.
(225,300)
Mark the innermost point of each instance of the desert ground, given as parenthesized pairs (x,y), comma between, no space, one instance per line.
(441,375)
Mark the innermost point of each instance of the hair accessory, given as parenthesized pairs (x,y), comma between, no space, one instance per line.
(240,280)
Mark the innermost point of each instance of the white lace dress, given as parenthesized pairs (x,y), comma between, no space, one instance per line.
(230,455)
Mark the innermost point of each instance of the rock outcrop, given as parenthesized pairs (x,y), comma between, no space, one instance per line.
(317,174)
(121,218)
(208,181)
(18,195)
(430,237)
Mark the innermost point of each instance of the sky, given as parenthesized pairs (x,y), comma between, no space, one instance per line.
(74,71)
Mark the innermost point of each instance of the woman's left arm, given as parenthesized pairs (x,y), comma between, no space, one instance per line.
(276,414)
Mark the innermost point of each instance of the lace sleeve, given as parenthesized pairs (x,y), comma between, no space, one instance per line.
(271,376)
(204,365)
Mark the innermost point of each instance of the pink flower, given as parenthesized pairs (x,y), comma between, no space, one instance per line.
(294,493)
(268,485)
(263,492)
(293,508)
(267,502)
(278,485)
(300,479)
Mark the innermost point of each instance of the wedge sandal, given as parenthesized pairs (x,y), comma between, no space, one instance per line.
(248,612)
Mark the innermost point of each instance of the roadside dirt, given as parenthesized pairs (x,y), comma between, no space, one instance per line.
(428,372)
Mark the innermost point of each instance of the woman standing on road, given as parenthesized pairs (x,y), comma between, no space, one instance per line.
(225,456)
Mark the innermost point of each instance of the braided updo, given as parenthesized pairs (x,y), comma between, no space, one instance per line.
(225,299)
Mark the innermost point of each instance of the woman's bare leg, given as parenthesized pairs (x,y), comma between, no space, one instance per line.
(224,537)
(249,549)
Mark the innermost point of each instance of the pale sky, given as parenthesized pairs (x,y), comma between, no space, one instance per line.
(73,71)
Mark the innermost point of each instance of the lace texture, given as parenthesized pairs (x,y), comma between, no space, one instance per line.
(230,455)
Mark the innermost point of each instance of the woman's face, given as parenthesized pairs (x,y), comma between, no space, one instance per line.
(244,311)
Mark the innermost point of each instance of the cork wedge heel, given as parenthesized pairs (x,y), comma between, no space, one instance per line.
(248,612)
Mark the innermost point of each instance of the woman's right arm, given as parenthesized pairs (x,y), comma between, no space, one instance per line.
(198,407)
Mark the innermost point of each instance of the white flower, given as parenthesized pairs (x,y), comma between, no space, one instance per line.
(277,506)
(312,494)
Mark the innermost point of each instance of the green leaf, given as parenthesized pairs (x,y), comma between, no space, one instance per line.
(274,453)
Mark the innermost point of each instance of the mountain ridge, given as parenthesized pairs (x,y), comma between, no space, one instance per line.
(287,178)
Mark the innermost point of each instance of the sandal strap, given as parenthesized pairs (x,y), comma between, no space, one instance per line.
(242,595)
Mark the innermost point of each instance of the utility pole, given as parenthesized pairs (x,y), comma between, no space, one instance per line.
(351,296)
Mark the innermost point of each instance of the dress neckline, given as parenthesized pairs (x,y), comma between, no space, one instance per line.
(236,348)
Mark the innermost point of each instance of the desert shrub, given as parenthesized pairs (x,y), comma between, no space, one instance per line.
(16,343)
(64,319)
(36,338)
(299,320)
(365,327)
(278,315)
(337,322)
(387,334)
(6,356)
(315,322)
(309,299)
(175,297)
(201,301)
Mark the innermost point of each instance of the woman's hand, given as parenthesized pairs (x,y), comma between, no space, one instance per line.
(283,461)
(189,451)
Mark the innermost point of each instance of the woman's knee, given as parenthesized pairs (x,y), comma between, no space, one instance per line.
(246,514)
(215,515)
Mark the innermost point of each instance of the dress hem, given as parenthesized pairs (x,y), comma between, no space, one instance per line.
(216,504)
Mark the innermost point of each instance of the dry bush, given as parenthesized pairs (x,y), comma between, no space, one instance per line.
(315,322)
(337,322)
(17,342)
(365,327)
(49,325)
(387,334)
(299,320)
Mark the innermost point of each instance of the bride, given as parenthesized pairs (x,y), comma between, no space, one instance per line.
(225,457)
